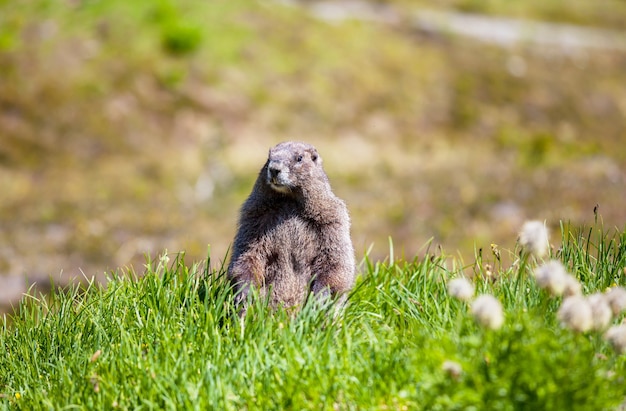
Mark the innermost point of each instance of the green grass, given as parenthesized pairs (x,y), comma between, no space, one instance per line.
(169,339)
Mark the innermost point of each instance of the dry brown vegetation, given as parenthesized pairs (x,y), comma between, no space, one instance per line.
(129,129)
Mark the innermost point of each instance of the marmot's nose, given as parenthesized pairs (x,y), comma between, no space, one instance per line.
(274,172)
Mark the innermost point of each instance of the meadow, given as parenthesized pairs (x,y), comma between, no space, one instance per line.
(129,128)
(168,338)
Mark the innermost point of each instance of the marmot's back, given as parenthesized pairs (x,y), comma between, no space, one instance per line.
(294,234)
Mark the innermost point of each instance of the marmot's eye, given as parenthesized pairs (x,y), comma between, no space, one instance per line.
(298,158)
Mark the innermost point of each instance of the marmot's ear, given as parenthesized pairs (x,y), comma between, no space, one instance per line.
(315,157)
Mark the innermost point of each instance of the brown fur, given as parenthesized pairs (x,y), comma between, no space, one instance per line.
(294,233)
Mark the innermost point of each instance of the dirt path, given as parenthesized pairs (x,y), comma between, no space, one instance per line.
(504,32)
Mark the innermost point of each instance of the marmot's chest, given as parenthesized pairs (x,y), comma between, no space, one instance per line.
(291,233)
(291,247)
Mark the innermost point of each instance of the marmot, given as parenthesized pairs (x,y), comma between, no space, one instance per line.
(293,234)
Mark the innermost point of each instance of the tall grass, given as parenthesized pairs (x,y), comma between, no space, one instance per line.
(170,339)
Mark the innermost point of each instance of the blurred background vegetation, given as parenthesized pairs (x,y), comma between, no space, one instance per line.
(127,128)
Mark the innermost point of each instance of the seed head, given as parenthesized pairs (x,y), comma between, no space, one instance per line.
(616,297)
(488,272)
(575,313)
(616,336)
(461,289)
(487,312)
(552,276)
(95,356)
(600,310)
(534,238)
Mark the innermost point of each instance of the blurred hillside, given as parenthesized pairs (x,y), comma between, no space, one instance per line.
(127,128)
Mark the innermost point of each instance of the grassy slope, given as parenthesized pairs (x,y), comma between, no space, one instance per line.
(160,345)
(130,127)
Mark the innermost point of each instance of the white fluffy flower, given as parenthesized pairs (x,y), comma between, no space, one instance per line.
(575,313)
(572,286)
(600,310)
(487,312)
(534,238)
(553,277)
(452,368)
(616,336)
(616,297)
(461,289)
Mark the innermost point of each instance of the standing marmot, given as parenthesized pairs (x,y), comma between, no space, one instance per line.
(294,234)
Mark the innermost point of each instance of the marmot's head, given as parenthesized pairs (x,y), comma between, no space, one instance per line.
(293,165)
